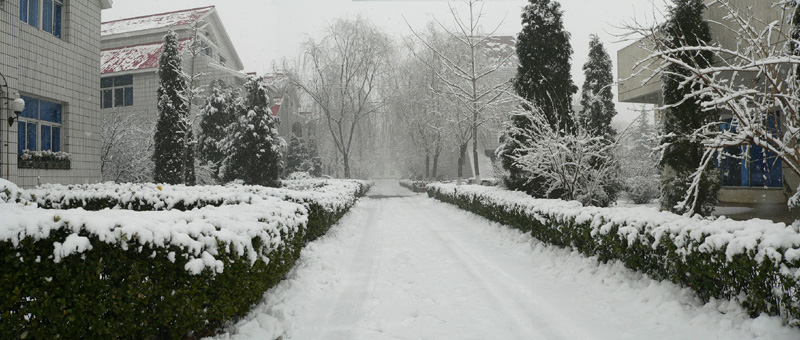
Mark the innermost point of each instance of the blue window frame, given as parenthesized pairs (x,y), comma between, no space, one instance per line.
(51,14)
(751,165)
(116,91)
(39,125)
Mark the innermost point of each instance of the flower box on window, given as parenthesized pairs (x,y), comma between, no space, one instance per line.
(44,160)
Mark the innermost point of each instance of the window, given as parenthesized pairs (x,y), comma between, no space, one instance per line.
(49,11)
(750,165)
(116,91)
(222,60)
(39,126)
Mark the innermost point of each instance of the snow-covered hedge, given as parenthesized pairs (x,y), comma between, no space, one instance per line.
(755,262)
(201,257)
(415,186)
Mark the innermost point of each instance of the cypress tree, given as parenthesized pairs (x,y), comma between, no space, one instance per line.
(169,150)
(316,161)
(543,78)
(217,116)
(596,96)
(685,27)
(297,155)
(252,146)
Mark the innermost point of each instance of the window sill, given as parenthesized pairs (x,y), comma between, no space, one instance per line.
(44,164)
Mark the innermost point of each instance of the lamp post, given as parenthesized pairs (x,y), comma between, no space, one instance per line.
(15,106)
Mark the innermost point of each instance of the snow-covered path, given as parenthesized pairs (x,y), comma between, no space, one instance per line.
(403,266)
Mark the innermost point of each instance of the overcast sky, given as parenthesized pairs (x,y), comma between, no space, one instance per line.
(264,31)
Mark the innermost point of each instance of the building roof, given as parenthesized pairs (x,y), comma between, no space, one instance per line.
(501,49)
(154,21)
(133,58)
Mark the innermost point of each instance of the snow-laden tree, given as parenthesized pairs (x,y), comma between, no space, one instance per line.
(469,77)
(316,161)
(570,166)
(342,73)
(640,171)
(298,157)
(216,115)
(252,146)
(597,99)
(753,85)
(170,152)
(126,149)
(543,79)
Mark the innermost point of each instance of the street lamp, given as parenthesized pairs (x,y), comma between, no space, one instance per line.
(16,105)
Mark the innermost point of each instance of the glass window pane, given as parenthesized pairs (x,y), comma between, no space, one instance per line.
(129,96)
(50,112)
(23,10)
(106,97)
(118,97)
(30,138)
(57,20)
(47,16)
(56,139)
(123,80)
(33,13)
(106,82)
(20,137)
(46,138)
(31,108)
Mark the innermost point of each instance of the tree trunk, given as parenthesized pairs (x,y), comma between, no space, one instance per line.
(462,154)
(475,147)
(435,162)
(427,165)
(346,161)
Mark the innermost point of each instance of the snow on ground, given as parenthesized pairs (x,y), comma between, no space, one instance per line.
(414,268)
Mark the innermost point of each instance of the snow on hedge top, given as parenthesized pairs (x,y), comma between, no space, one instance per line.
(200,234)
(765,238)
(154,21)
(331,195)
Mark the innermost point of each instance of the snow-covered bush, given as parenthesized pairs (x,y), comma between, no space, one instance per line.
(415,186)
(755,262)
(298,175)
(642,189)
(158,260)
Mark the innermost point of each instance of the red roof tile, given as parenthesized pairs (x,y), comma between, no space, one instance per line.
(133,57)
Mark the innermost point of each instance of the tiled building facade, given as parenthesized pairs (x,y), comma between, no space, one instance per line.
(49,56)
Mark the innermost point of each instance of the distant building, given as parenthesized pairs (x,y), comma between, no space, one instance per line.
(758,181)
(50,57)
(131,48)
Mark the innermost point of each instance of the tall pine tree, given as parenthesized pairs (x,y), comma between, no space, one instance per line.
(170,152)
(297,158)
(685,27)
(217,116)
(596,96)
(252,146)
(543,78)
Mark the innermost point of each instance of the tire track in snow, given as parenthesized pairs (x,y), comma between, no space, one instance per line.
(525,312)
(351,306)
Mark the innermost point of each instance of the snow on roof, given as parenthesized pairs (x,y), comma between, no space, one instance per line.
(131,58)
(154,21)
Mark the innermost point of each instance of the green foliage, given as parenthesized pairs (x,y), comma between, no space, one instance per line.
(673,191)
(218,114)
(597,97)
(170,154)
(764,284)
(302,157)
(253,146)
(685,27)
(135,291)
(544,79)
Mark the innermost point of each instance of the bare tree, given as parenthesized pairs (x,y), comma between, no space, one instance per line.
(126,147)
(342,73)
(754,83)
(469,76)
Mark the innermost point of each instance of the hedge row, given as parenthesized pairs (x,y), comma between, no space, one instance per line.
(148,274)
(756,262)
(415,186)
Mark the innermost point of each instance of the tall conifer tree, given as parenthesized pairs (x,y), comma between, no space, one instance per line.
(685,27)
(253,146)
(217,116)
(543,78)
(169,151)
(596,96)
